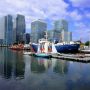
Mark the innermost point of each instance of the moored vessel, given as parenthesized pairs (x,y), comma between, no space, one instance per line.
(72,47)
(43,49)
(17,47)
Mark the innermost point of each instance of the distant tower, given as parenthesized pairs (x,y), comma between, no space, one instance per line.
(20,27)
(66,36)
(38,29)
(64,25)
(2,30)
(26,38)
(8,39)
(14,30)
(61,30)
(60,25)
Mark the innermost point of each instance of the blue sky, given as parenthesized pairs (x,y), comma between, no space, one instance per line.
(76,12)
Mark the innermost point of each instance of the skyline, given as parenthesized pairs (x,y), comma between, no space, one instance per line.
(76,12)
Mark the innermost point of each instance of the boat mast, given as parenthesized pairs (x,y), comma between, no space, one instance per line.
(46,35)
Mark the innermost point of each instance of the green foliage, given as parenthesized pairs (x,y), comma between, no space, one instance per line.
(87,43)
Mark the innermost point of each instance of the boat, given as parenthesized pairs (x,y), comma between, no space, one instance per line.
(17,47)
(43,55)
(43,49)
(27,53)
(26,47)
(72,47)
(62,47)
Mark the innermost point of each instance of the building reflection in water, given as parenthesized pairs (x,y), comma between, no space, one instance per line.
(11,64)
(60,66)
(39,65)
(16,65)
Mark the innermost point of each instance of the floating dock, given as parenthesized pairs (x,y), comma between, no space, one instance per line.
(85,58)
(80,57)
(85,51)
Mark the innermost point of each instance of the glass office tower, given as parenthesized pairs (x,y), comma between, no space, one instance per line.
(26,38)
(8,39)
(61,31)
(38,29)
(60,25)
(20,28)
(2,30)
(54,36)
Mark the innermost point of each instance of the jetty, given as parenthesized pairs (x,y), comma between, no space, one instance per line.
(85,58)
(80,57)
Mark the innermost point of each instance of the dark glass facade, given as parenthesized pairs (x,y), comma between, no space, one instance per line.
(1,41)
(20,28)
(27,38)
(8,40)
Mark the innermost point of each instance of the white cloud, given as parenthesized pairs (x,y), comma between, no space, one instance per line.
(75,15)
(45,8)
(34,9)
(88,15)
(82,31)
(80,25)
(81,3)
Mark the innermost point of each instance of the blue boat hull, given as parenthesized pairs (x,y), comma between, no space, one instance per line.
(42,55)
(68,48)
(72,48)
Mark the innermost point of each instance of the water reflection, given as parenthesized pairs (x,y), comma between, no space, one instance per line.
(31,73)
(14,64)
(39,65)
(61,67)
(11,64)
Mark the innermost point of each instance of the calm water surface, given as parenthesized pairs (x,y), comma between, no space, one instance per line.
(23,72)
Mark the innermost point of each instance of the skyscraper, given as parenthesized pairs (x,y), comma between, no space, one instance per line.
(53,35)
(38,29)
(26,38)
(61,30)
(60,25)
(20,28)
(66,36)
(2,30)
(64,25)
(14,29)
(56,32)
(8,39)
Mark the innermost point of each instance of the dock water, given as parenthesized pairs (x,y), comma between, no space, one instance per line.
(80,57)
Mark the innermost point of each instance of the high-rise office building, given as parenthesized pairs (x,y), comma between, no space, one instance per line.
(60,25)
(14,29)
(66,36)
(64,25)
(26,38)
(20,28)
(53,35)
(61,30)
(2,29)
(8,39)
(38,29)
(11,29)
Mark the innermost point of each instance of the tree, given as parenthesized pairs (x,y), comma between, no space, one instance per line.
(87,43)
